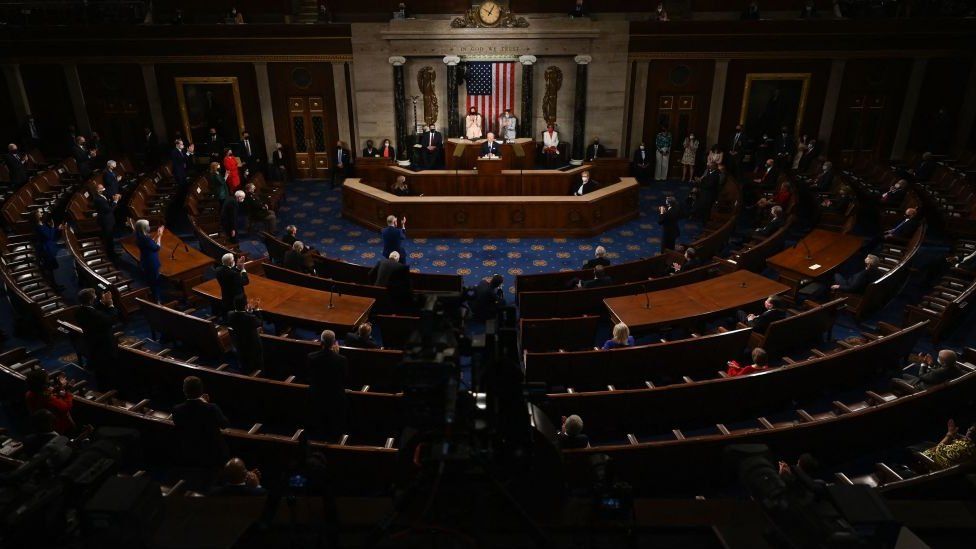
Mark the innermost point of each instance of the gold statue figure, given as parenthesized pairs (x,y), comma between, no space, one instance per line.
(425,81)
(554,81)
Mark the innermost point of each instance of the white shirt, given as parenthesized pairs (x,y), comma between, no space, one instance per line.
(472,126)
(550,140)
(579,191)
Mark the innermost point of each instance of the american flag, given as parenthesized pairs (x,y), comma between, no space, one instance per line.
(491,90)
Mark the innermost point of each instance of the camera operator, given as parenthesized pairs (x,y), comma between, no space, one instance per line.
(487,297)
(51,395)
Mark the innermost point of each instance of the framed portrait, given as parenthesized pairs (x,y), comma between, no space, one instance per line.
(210,102)
(773,100)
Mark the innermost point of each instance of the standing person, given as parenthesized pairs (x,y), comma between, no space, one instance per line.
(180,162)
(393,237)
(341,167)
(217,183)
(715,155)
(688,157)
(230,214)
(82,156)
(56,399)
(232,171)
(46,245)
(507,124)
(550,145)
(662,143)
(96,318)
(149,246)
(387,150)
(473,123)
(245,323)
(491,148)
(198,428)
(214,145)
(104,206)
(232,276)
(668,216)
(327,371)
(736,147)
(641,164)
(431,142)
(279,169)
(708,189)
(247,155)
(15,166)
(393,275)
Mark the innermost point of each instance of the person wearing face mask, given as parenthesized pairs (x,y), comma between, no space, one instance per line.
(668,217)
(369,151)
(662,142)
(785,149)
(688,157)
(278,167)
(586,185)
(387,150)
(595,150)
(214,145)
(660,14)
(341,165)
(641,163)
(431,142)
(472,124)
(247,154)
(180,163)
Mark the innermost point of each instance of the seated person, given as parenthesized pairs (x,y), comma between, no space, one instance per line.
(775,309)
(781,198)
(923,171)
(491,148)
(291,235)
(774,224)
(690,261)
(487,297)
(905,228)
(599,258)
(257,209)
(400,187)
(362,338)
(571,435)
(621,338)
(760,363)
(53,397)
(839,204)
(600,279)
(296,259)
(802,476)
(237,480)
(895,194)
(861,280)
(586,185)
(954,449)
(935,372)
(967,262)
(369,151)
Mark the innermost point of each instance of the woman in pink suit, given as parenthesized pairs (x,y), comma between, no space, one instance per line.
(233,176)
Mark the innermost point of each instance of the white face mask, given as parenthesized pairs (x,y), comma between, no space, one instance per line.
(585,179)
(642,147)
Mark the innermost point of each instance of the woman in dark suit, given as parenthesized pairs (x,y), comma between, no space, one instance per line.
(387,150)
(217,183)
(46,244)
(149,255)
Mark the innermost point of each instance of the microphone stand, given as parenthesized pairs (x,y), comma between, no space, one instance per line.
(172,255)
(331,292)
(647,297)
(806,247)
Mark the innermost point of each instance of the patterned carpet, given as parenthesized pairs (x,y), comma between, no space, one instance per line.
(317,212)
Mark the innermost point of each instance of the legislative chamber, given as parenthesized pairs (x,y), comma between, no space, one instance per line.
(498,273)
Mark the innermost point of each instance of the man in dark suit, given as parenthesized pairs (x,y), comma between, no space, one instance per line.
(768,176)
(246,324)
(431,142)
(736,148)
(586,185)
(110,180)
(96,318)
(327,371)
(230,214)
(232,276)
(370,151)
(214,145)
(775,309)
(895,194)
(491,147)
(362,338)
(198,425)
(595,150)
(599,258)
(600,279)
(809,154)
(937,372)
(279,167)
(708,186)
(825,180)
(640,165)
(258,210)
(571,435)
(341,165)
(923,171)
(785,149)
(393,237)
(774,224)
(394,275)
(668,216)
(290,235)
(488,297)
(179,158)
(105,216)
(860,281)
(15,166)
(905,228)
(295,258)
(690,261)
(248,153)
(237,480)
(82,156)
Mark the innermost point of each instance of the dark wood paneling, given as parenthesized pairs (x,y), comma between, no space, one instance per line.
(283,86)
(943,88)
(869,80)
(47,91)
(166,75)
(115,96)
(735,87)
(700,73)
(9,125)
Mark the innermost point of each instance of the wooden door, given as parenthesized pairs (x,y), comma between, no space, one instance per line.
(863,129)
(307,123)
(679,114)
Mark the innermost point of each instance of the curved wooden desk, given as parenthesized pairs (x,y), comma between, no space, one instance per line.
(182,265)
(495,216)
(471,183)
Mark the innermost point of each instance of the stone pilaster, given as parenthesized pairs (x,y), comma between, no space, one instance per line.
(18,94)
(912,94)
(267,107)
(77,96)
(831,101)
(717,103)
(525,114)
(155,103)
(400,105)
(579,111)
(453,116)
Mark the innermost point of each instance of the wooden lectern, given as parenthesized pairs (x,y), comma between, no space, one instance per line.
(489,166)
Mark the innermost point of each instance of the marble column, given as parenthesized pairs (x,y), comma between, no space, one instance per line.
(400,105)
(77,96)
(579,112)
(638,101)
(343,124)
(829,114)
(18,94)
(967,114)
(155,105)
(453,117)
(912,94)
(267,108)
(525,113)
(717,102)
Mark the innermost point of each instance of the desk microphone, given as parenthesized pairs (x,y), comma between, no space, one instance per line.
(172,255)
(805,247)
(331,292)
(647,297)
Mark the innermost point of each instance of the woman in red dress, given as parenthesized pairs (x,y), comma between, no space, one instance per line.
(233,173)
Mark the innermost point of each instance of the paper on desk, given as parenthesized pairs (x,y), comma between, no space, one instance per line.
(815,266)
